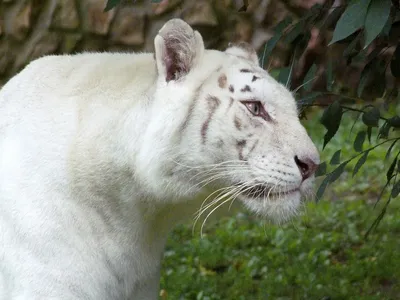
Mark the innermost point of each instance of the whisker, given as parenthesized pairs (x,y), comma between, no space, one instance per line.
(221,174)
(209,214)
(210,166)
(220,196)
(304,83)
(217,191)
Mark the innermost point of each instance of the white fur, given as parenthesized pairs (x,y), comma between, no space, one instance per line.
(96,167)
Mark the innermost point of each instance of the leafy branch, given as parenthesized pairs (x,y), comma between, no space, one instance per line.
(366,27)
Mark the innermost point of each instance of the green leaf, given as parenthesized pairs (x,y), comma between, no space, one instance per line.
(301,43)
(111,4)
(289,76)
(394,121)
(321,170)
(350,51)
(376,19)
(322,187)
(359,141)
(351,20)
(395,63)
(396,189)
(384,131)
(156,1)
(390,149)
(297,29)
(365,77)
(386,29)
(331,119)
(389,173)
(332,17)
(379,83)
(284,74)
(314,12)
(335,174)
(270,45)
(309,78)
(371,117)
(335,160)
(369,133)
(354,122)
(360,163)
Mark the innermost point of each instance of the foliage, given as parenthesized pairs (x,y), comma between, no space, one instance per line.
(367,29)
(322,256)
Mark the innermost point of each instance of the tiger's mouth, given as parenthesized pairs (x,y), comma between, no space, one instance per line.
(260,191)
(275,203)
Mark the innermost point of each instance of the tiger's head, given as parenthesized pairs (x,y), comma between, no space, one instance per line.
(227,126)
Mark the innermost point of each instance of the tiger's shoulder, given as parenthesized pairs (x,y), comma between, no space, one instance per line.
(88,71)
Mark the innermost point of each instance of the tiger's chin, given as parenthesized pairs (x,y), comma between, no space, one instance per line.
(277,208)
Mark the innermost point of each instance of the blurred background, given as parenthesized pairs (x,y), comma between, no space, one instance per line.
(32,28)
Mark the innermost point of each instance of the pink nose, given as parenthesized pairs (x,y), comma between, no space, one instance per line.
(306,166)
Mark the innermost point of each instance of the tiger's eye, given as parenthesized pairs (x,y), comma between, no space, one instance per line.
(254,107)
(257,109)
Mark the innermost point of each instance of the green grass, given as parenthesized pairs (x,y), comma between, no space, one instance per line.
(322,255)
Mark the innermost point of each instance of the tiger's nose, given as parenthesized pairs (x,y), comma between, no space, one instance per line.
(306,166)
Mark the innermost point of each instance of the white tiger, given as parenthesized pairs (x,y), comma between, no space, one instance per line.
(102,154)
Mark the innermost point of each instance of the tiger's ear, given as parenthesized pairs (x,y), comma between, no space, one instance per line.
(177,49)
(244,50)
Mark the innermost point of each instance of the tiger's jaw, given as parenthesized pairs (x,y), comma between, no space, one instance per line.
(277,207)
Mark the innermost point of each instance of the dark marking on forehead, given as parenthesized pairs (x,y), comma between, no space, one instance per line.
(246,88)
(240,145)
(254,78)
(231,100)
(190,110)
(222,81)
(204,129)
(238,123)
(231,88)
(213,103)
(245,71)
